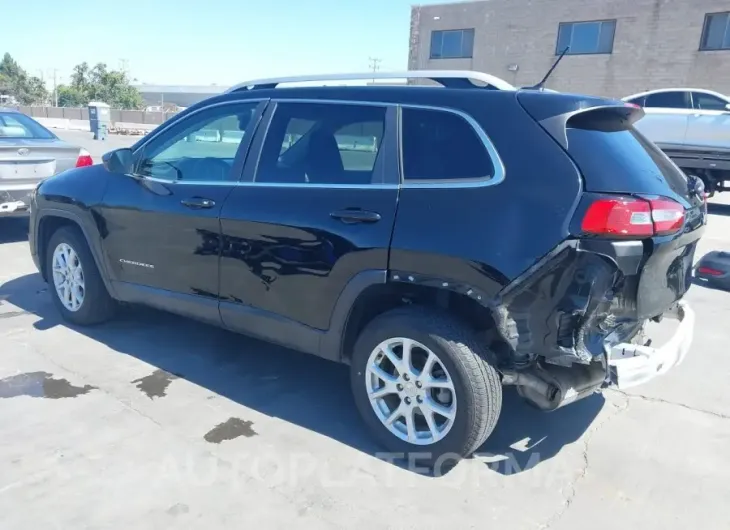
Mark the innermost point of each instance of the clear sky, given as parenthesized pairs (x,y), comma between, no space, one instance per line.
(202,42)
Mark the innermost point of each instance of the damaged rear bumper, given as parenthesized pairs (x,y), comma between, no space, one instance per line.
(633,364)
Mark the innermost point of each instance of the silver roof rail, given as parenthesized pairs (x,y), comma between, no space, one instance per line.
(447,78)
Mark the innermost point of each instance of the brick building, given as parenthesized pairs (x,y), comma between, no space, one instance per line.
(617,47)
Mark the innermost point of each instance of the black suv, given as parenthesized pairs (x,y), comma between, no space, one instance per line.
(443,241)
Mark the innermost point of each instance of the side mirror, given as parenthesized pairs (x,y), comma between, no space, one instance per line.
(727,107)
(119,161)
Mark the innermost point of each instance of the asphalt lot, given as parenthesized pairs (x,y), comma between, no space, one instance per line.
(155,421)
(96,147)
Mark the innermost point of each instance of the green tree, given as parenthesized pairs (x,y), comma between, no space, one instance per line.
(80,76)
(16,82)
(99,84)
(69,96)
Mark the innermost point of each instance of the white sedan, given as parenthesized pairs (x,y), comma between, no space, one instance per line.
(684,118)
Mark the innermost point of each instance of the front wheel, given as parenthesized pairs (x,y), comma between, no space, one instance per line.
(425,385)
(78,290)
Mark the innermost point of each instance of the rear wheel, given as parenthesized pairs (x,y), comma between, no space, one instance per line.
(425,386)
(77,288)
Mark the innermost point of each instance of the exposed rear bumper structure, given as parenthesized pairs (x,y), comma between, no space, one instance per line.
(634,364)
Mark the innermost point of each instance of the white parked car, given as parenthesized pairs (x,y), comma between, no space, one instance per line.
(692,126)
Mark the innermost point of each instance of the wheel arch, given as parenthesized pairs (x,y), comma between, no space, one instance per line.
(372,293)
(49,222)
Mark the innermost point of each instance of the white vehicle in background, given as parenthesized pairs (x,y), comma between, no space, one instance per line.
(692,126)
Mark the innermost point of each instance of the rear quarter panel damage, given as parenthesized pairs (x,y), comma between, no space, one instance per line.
(562,308)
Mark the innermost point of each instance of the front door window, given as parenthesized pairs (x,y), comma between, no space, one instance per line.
(202,148)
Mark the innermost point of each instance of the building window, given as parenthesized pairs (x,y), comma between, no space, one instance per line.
(452,44)
(586,37)
(716,33)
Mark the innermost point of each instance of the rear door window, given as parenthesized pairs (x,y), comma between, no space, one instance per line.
(668,100)
(440,145)
(322,144)
(704,101)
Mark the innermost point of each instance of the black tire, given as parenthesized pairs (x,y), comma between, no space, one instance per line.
(97,305)
(477,384)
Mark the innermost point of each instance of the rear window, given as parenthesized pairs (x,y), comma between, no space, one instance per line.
(16,125)
(617,158)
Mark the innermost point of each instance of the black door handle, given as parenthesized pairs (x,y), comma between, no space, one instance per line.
(197,203)
(351,216)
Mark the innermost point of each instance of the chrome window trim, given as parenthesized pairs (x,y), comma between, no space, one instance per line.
(164,127)
(478,182)
(488,180)
(276,101)
(187,182)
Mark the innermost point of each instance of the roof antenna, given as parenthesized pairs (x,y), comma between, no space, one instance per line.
(541,84)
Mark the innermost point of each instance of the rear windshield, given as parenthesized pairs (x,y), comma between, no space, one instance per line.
(16,125)
(620,159)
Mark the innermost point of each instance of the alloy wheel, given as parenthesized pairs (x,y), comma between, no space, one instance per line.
(411,391)
(68,277)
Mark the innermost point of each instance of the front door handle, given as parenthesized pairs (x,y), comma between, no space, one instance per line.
(351,216)
(197,203)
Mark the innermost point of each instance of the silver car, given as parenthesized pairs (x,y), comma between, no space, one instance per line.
(30,153)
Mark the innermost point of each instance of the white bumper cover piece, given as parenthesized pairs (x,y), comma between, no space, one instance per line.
(633,364)
(12,207)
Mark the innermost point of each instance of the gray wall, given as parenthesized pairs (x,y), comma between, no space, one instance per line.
(126,116)
(656,43)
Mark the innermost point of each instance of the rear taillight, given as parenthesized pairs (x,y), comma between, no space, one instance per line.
(629,216)
(84,159)
(668,216)
(709,271)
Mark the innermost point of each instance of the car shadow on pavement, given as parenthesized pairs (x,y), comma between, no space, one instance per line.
(13,230)
(298,388)
(525,437)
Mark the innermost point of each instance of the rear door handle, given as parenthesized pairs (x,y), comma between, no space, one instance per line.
(351,216)
(197,203)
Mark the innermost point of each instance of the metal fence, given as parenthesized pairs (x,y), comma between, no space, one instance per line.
(116,115)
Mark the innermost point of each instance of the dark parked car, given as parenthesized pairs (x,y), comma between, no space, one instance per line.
(30,153)
(442,241)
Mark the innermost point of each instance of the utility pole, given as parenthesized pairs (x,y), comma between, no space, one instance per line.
(55,87)
(374,65)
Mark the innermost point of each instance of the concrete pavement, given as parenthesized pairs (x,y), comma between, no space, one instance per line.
(154,421)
